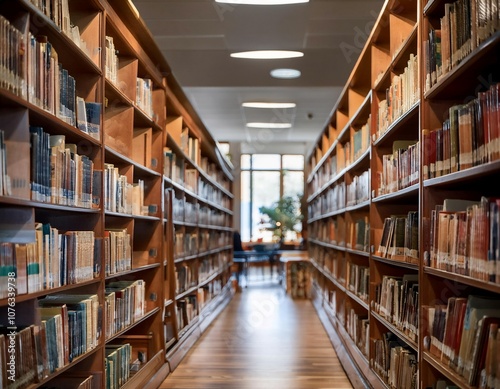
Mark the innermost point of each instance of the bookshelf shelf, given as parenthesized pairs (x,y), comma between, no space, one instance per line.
(358,252)
(329,245)
(389,134)
(137,322)
(133,271)
(394,262)
(66,288)
(390,326)
(186,293)
(466,280)
(63,369)
(409,192)
(356,298)
(465,176)
(363,204)
(431,6)
(448,373)
(463,78)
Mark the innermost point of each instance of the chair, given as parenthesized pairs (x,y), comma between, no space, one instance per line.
(239,257)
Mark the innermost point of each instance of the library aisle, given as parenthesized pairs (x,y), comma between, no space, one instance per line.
(263,339)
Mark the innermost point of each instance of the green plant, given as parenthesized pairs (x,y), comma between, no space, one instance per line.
(284,215)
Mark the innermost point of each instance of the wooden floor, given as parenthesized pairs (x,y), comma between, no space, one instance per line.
(263,339)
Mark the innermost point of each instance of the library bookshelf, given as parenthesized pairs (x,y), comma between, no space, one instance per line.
(407,254)
(115,202)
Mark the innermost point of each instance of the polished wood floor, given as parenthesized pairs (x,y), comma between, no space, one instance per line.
(262,340)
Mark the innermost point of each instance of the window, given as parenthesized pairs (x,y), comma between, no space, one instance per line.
(265,178)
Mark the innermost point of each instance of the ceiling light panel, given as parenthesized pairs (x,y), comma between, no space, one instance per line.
(269,125)
(268,54)
(262,2)
(266,105)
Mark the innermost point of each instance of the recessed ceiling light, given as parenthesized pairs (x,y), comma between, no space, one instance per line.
(268,54)
(285,73)
(269,125)
(268,105)
(262,2)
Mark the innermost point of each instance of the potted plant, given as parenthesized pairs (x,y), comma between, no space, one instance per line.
(282,216)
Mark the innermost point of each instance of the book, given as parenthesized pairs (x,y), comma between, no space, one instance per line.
(93,114)
(477,307)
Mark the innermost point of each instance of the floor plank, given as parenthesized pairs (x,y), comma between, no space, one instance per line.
(263,339)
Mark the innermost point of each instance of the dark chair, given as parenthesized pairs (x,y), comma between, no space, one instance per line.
(239,256)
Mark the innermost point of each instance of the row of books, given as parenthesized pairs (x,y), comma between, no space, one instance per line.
(469,137)
(13,61)
(358,280)
(69,327)
(117,251)
(329,260)
(395,362)
(187,310)
(55,259)
(177,171)
(358,328)
(399,240)
(210,217)
(300,280)
(125,303)
(57,11)
(190,146)
(185,244)
(36,75)
(358,190)
(144,96)
(117,364)
(211,265)
(211,193)
(399,169)
(333,231)
(463,334)
(210,240)
(111,60)
(73,323)
(173,166)
(208,292)
(334,199)
(464,237)
(190,212)
(50,86)
(361,139)
(120,195)
(59,175)
(185,276)
(396,300)
(402,94)
(5,184)
(191,179)
(463,27)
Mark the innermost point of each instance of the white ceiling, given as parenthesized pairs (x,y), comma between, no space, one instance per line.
(197,37)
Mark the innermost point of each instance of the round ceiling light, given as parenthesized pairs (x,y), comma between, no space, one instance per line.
(285,73)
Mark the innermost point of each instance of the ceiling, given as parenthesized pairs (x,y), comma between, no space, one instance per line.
(197,37)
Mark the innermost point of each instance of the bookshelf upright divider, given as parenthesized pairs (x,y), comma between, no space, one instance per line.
(88,209)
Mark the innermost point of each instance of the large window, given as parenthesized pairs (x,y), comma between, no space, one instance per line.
(265,178)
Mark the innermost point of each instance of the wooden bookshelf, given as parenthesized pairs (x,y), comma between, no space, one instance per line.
(87,205)
(403,38)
